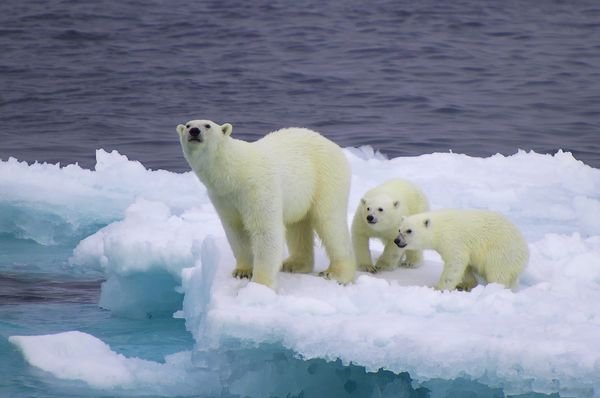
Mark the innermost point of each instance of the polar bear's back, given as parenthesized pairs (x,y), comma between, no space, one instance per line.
(310,166)
(302,138)
(490,237)
(299,147)
(487,225)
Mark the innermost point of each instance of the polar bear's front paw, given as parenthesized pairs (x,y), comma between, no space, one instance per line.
(296,266)
(242,273)
(368,268)
(463,288)
(383,266)
(343,273)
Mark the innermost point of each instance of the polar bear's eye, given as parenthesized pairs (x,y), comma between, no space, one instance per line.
(380,209)
(409,231)
(187,126)
(368,209)
(207,126)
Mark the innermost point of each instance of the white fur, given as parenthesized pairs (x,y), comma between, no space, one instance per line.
(287,184)
(386,204)
(471,243)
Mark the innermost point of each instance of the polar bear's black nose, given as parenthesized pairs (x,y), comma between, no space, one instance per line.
(194,131)
(397,241)
(370,218)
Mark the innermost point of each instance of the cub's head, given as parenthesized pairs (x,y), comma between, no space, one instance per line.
(381,212)
(415,232)
(201,135)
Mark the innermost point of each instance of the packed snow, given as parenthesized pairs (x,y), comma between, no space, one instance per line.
(164,253)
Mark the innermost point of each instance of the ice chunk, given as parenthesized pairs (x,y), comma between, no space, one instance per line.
(55,205)
(267,371)
(79,356)
(197,283)
(75,355)
(544,336)
(143,255)
(546,331)
(150,237)
(139,295)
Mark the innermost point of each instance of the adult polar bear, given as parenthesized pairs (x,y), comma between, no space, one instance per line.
(290,182)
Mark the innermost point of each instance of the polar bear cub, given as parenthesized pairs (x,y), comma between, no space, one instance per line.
(470,242)
(287,184)
(378,215)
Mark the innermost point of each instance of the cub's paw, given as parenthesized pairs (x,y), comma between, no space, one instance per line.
(242,273)
(412,259)
(326,274)
(408,264)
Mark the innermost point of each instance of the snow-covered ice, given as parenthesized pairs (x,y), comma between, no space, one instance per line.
(163,252)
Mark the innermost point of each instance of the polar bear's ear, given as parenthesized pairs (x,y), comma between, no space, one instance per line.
(427,223)
(180,128)
(396,204)
(227,128)
(363,201)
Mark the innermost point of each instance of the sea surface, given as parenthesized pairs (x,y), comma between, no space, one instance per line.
(474,77)
(406,78)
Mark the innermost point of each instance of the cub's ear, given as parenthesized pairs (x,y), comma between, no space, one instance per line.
(402,219)
(227,128)
(180,128)
(363,201)
(427,223)
(396,204)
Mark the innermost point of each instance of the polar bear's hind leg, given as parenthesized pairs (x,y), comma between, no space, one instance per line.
(468,282)
(300,242)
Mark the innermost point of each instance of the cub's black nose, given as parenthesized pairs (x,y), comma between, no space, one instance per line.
(400,244)
(370,218)
(194,131)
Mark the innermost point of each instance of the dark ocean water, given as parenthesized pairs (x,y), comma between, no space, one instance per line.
(476,77)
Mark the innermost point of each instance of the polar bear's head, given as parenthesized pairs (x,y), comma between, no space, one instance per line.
(381,212)
(197,136)
(415,232)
